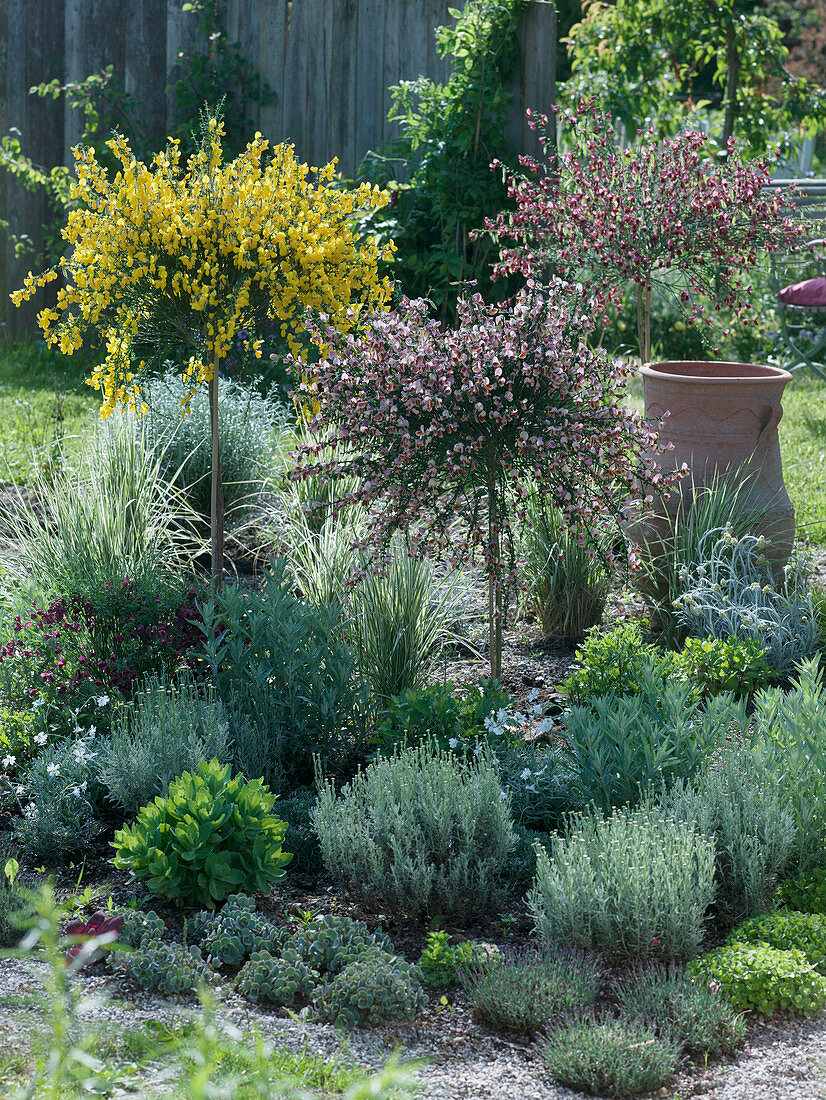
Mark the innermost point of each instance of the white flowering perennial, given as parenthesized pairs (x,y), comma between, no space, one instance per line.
(729,593)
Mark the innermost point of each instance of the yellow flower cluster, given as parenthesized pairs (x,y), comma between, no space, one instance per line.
(203,252)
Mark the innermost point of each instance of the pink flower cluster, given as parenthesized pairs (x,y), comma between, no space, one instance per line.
(663,214)
(445,428)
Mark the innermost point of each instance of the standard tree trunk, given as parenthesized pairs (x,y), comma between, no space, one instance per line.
(495,600)
(217,508)
(732,83)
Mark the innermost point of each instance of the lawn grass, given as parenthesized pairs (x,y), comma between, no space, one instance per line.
(45,405)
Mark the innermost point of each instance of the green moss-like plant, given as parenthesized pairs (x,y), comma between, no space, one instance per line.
(786,931)
(214,835)
(760,977)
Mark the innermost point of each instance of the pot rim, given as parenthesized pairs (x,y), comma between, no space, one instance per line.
(763,373)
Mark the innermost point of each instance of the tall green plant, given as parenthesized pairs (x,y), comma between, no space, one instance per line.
(450,133)
(111,517)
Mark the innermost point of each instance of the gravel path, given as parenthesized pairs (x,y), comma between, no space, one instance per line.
(785,1060)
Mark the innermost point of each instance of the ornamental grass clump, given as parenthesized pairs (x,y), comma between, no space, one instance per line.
(442,428)
(634,886)
(419,833)
(661,216)
(170,262)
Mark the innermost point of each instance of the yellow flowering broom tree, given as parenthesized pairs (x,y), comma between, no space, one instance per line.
(165,257)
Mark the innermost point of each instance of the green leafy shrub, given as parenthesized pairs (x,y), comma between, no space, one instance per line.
(228,936)
(701,1019)
(567,580)
(18,729)
(610,1057)
(635,885)
(738,665)
(525,990)
(329,944)
(806,893)
(213,835)
(11,904)
(140,927)
(441,961)
(167,967)
(169,728)
(622,747)
(301,841)
(282,981)
(281,663)
(745,812)
(374,987)
(613,662)
(249,424)
(419,832)
(760,977)
(60,801)
(786,930)
(437,713)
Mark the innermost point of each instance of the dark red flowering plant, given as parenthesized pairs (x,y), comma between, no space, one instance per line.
(444,428)
(663,215)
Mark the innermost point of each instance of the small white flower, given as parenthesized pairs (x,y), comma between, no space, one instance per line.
(102,700)
(453,743)
(526,773)
(53,769)
(92,731)
(41,738)
(38,702)
(9,761)
(19,790)
(503,795)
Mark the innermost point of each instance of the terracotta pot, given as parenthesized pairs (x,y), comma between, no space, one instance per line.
(724,418)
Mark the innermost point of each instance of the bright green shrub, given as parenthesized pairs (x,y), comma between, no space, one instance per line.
(623,746)
(760,977)
(612,662)
(745,812)
(786,930)
(419,832)
(374,987)
(11,907)
(329,944)
(738,665)
(167,967)
(282,981)
(525,990)
(441,961)
(610,1057)
(212,836)
(635,885)
(701,1019)
(438,714)
(169,729)
(228,936)
(806,893)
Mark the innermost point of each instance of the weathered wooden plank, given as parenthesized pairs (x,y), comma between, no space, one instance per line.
(95,38)
(370,65)
(244,27)
(535,84)
(275,16)
(144,74)
(182,37)
(341,106)
(297,61)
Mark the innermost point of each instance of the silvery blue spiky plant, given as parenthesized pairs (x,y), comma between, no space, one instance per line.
(730,593)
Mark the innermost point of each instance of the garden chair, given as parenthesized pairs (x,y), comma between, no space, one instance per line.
(799,284)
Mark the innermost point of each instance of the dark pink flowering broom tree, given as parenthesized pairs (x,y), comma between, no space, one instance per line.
(444,428)
(663,215)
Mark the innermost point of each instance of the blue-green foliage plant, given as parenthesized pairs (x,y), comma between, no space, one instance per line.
(170,968)
(286,674)
(249,423)
(635,885)
(729,592)
(281,980)
(421,831)
(374,987)
(623,746)
(735,802)
(330,943)
(229,935)
(213,835)
(756,976)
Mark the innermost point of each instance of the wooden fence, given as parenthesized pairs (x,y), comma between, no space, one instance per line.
(329,63)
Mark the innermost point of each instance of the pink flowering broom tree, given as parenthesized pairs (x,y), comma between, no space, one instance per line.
(664,215)
(444,428)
